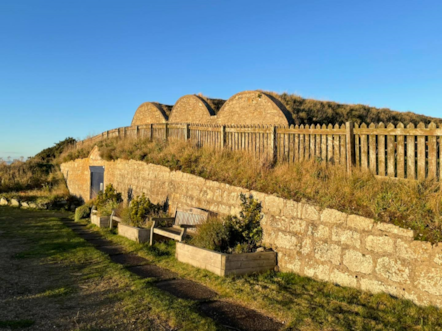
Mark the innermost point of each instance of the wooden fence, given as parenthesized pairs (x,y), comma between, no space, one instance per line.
(387,151)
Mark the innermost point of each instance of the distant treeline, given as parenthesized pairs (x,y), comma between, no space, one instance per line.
(310,111)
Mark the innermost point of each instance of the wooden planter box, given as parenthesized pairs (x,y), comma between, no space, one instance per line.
(225,264)
(136,234)
(100,221)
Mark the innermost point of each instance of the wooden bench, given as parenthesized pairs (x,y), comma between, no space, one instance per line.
(176,227)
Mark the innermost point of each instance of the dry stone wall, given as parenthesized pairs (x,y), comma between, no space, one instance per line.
(192,109)
(326,245)
(255,108)
(151,112)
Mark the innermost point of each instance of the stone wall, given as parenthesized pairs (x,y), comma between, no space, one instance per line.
(151,112)
(325,244)
(253,107)
(192,109)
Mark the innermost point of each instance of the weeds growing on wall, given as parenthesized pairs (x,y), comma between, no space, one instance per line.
(409,204)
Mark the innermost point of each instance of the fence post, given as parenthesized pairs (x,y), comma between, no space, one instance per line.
(118,132)
(166,131)
(350,143)
(273,144)
(137,133)
(187,131)
(151,132)
(107,134)
(223,137)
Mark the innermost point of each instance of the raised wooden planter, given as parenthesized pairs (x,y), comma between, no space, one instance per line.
(100,221)
(225,264)
(136,234)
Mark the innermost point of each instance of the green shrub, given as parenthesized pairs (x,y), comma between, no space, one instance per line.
(212,235)
(82,212)
(108,200)
(246,229)
(139,210)
(233,234)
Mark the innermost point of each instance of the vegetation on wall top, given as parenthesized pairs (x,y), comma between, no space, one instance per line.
(311,111)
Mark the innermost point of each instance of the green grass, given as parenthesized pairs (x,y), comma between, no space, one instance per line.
(302,303)
(88,277)
(80,266)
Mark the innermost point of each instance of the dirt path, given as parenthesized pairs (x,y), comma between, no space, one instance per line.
(225,313)
(52,279)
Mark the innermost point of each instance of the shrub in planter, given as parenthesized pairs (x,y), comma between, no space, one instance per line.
(213,235)
(140,209)
(234,234)
(82,212)
(245,230)
(107,201)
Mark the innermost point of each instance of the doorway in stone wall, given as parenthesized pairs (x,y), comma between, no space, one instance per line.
(97,180)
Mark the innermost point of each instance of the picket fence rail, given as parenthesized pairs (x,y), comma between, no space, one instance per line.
(388,151)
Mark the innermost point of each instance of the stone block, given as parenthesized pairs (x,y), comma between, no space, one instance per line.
(333,216)
(3,202)
(290,263)
(309,212)
(328,252)
(374,286)
(429,279)
(15,203)
(358,262)
(274,205)
(307,246)
(415,250)
(393,270)
(390,228)
(297,226)
(348,237)
(318,231)
(259,196)
(287,241)
(316,270)
(343,278)
(379,244)
(360,223)
(290,209)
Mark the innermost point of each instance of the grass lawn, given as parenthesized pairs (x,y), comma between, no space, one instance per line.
(301,303)
(52,279)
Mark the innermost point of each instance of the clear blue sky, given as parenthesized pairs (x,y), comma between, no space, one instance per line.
(73,68)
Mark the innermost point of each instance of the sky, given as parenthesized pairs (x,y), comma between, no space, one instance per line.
(78,68)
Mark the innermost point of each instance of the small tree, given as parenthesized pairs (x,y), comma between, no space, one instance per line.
(246,229)
(140,208)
